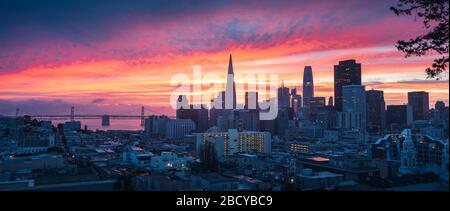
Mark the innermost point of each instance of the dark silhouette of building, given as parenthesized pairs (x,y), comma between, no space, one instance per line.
(420,105)
(231,86)
(316,105)
(224,111)
(376,113)
(398,117)
(308,86)
(247,120)
(282,121)
(251,101)
(208,156)
(283,97)
(441,110)
(347,72)
(198,115)
(296,103)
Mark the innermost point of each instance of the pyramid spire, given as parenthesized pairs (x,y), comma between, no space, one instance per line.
(230,87)
(230,66)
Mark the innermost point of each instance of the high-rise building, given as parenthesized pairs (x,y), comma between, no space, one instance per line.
(420,104)
(216,112)
(223,117)
(308,86)
(155,125)
(296,104)
(230,93)
(347,72)
(283,97)
(247,120)
(316,105)
(251,101)
(354,101)
(182,103)
(376,111)
(440,110)
(233,141)
(198,115)
(178,128)
(398,117)
(282,121)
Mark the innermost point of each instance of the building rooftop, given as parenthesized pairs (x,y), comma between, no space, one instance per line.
(216,178)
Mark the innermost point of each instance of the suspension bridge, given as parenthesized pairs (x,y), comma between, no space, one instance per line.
(105,118)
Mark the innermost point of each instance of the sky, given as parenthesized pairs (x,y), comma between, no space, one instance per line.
(114,56)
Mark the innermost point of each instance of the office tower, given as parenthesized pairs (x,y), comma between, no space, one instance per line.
(439,105)
(354,102)
(347,72)
(282,121)
(283,97)
(420,105)
(182,104)
(316,105)
(233,141)
(439,108)
(267,125)
(330,106)
(200,118)
(155,125)
(178,128)
(247,120)
(296,103)
(230,93)
(198,115)
(376,114)
(211,152)
(216,113)
(308,86)
(398,117)
(251,101)
(148,125)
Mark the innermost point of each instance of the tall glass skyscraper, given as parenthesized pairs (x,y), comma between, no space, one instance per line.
(376,111)
(347,72)
(308,86)
(354,101)
(419,102)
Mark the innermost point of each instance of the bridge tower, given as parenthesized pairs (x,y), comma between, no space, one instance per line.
(72,114)
(17,112)
(142,116)
(105,120)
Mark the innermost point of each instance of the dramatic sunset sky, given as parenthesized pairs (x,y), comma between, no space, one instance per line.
(112,56)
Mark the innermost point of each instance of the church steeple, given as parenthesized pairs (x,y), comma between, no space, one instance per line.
(408,157)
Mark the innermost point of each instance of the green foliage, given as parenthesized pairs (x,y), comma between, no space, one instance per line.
(434,15)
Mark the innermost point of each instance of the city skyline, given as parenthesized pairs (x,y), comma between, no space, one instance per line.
(240,99)
(134,68)
(257,96)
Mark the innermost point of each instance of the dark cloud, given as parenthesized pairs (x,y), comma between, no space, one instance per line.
(62,107)
(413,81)
(98,100)
(34,106)
(44,32)
(421,81)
